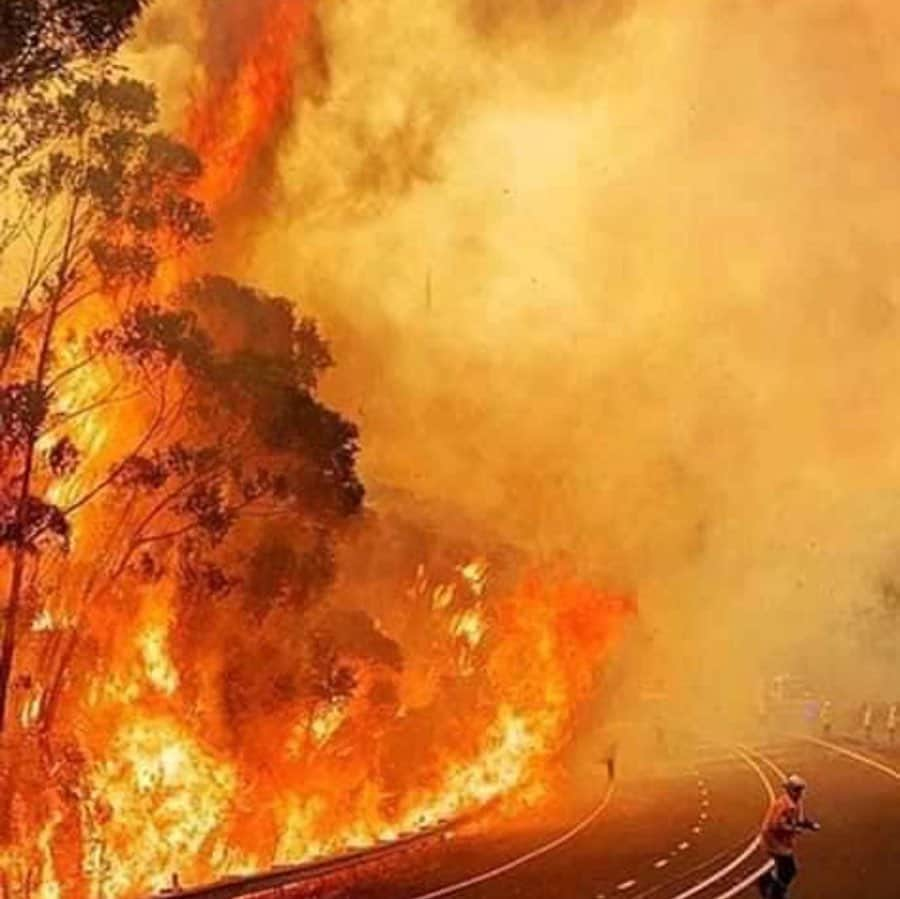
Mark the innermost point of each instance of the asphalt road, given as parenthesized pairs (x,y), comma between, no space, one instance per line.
(685,829)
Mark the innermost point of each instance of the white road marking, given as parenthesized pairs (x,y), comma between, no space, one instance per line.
(511,865)
(661,863)
(750,878)
(683,846)
(718,875)
(778,772)
(859,757)
(696,829)
(691,891)
(739,859)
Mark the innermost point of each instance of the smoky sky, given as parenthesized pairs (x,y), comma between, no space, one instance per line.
(620,279)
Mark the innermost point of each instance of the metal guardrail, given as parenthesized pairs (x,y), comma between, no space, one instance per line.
(288,875)
(248,885)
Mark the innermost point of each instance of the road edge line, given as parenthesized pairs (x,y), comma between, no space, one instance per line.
(514,863)
(748,850)
(750,878)
(859,757)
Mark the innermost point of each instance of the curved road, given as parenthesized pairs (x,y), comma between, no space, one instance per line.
(687,831)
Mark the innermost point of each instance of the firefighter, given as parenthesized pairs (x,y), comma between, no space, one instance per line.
(892,723)
(826,716)
(784,819)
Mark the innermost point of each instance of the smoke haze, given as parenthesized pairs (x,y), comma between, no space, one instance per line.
(618,279)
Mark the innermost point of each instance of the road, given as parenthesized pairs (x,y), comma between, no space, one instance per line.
(685,829)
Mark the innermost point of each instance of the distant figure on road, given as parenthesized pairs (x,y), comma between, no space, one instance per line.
(867,721)
(892,723)
(611,762)
(826,717)
(783,821)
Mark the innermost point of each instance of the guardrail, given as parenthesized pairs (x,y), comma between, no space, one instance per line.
(289,875)
(261,882)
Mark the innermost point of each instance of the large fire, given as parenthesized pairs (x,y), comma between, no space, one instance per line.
(133,756)
(158,796)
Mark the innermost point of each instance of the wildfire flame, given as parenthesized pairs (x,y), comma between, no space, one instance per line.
(233,120)
(160,798)
(160,792)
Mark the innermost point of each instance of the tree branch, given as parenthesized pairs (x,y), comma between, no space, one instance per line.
(91,407)
(77,366)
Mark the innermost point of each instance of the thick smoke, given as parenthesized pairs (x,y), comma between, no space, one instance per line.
(619,279)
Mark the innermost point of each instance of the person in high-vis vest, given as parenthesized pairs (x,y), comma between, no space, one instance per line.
(784,820)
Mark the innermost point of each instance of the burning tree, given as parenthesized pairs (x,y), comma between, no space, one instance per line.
(171,493)
(210,385)
(98,198)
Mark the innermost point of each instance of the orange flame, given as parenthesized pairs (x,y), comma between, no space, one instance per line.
(234,120)
(163,793)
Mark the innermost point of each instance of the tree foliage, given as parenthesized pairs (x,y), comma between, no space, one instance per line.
(39,37)
(153,426)
(216,380)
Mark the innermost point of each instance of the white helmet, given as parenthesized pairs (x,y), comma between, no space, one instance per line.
(795,782)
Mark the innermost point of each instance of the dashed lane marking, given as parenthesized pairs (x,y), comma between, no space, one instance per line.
(626,885)
(660,863)
(742,856)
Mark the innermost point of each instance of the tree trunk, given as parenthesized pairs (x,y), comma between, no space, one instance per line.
(10,621)
(14,597)
(50,705)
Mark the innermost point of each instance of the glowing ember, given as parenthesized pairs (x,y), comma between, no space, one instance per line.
(470,627)
(44,621)
(475,575)
(49,886)
(159,667)
(326,722)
